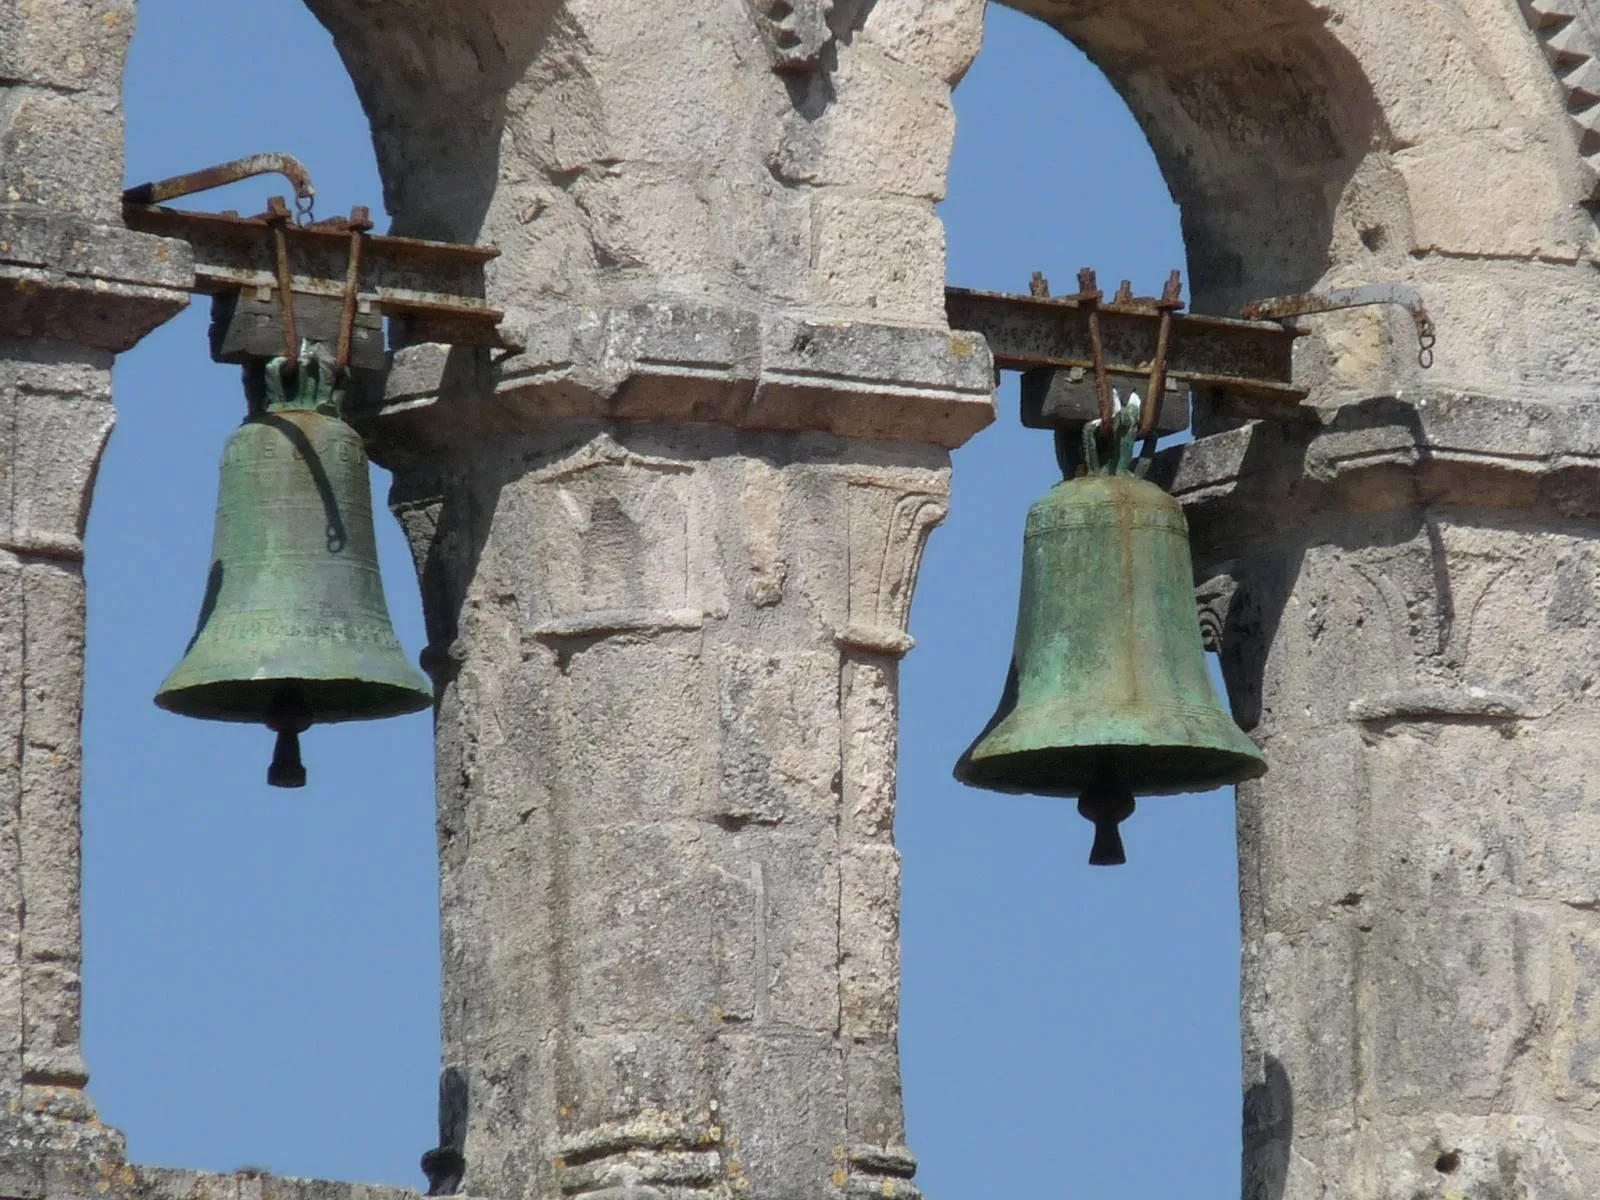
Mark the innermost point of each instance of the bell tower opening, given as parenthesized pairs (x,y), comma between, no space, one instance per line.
(262,967)
(1085,1019)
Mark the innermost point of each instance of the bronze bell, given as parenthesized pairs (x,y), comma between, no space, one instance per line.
(294,630)
(1108,697)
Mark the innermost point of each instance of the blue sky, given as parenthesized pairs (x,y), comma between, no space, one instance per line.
(262,969)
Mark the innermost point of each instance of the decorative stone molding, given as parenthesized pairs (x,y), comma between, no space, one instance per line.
(1569,33)
(1214,599)
(1473,704)
(681,362)
(1444,447)
(670,1159)
(878,1173)
(883,569)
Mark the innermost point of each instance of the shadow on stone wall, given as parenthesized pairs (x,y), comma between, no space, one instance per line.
(1268,1133)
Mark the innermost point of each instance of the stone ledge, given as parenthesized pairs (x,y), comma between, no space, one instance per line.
(41,1176)
(683,362)
(1385,454)
(167,1183)
(69,279)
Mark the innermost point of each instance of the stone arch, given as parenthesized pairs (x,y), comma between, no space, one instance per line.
(1258,116)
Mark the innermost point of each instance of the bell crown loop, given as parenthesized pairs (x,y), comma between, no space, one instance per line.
(1110,451)
(311,384)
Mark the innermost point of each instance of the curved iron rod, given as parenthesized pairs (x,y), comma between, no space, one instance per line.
(207,178)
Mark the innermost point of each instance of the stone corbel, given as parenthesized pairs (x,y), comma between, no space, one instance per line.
(796,32)
(673,362)
(68,279)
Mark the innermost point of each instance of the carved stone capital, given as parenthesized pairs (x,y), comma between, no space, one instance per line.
(1214,599)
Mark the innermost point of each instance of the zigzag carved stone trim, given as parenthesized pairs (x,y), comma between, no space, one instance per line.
(1569,33)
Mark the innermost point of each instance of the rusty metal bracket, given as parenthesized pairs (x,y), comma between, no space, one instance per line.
(1285,307)
(1250,360)
(278,221)
(1171,301)
(435,288)
(360,223)
(1089,297)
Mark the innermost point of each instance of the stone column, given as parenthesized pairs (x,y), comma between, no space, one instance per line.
(1405,600)
(75,287)
(667,539)
(1400,571)
(667,659)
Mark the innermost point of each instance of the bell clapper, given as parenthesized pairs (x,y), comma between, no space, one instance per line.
(1107,802)
(289,719)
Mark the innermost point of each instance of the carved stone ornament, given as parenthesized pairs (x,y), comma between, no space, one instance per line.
(796,32)
(1214,599)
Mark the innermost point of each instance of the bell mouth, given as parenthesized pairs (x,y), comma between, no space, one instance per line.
(1146,770)
(259,701)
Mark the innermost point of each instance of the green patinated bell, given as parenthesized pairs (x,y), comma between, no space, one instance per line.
(1108,696)
(294,629)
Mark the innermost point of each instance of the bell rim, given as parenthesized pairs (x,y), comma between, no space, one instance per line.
(1228,767)
(206,700)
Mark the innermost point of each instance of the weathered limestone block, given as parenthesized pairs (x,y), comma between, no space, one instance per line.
(666,657)
(75,46)
(1407,626)
(60,104)
(61,151)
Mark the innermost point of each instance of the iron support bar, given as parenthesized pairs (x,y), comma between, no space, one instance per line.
(436,287)
(1246,358)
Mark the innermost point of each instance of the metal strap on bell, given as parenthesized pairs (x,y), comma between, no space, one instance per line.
(294,629)
(1108,696)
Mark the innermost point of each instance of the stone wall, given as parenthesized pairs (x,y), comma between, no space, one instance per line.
(74,288)
(667,548)
(1408,632)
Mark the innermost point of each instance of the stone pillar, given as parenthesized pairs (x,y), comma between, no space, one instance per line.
(1405,600)
(75,287)
(667,540)
(667,659)
(1400,570)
